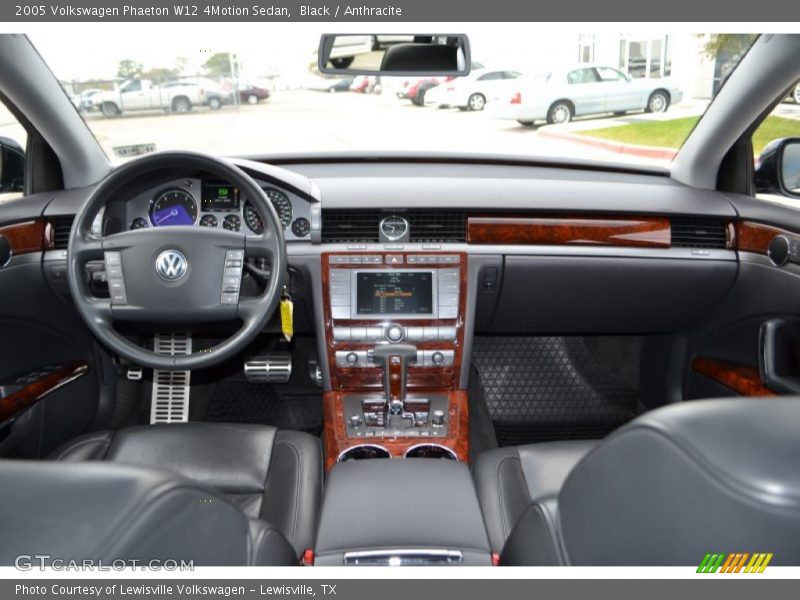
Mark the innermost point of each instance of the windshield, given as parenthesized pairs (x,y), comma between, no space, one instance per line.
(242,90)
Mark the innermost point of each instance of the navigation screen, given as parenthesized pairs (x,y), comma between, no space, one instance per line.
(394,293)
(220,196)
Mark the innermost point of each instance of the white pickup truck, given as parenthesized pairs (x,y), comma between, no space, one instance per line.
(142,94)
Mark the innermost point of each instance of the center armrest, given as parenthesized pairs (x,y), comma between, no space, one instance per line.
(410,511)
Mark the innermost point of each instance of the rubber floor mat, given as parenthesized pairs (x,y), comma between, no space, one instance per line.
(552,388)
(237,401)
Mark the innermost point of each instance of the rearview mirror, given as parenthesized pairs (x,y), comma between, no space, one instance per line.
(393,54)
(12,165)
(778,168)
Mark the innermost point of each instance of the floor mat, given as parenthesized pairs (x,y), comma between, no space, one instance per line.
(555,388)
(237,401)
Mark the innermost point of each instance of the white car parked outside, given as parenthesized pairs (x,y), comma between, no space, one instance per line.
(473,91)
(559,95)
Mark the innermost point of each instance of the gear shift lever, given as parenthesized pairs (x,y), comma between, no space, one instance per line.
(395,359)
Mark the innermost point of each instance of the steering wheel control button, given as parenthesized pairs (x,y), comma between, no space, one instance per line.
(115,279)
(232,276)
(395,333)
(171,265)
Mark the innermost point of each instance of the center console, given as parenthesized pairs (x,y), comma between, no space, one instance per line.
(401,512)
(394,328)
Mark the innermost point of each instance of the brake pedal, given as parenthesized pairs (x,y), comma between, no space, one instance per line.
(170,399)
(272,367)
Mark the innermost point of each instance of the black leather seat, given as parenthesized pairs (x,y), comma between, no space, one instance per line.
(270,475)
(511,479)
(110,512)
(671,486)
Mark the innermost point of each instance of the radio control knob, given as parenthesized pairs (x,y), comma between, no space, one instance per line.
(395,333)
(351,358)
(437,358)
(438,418)
(355,421)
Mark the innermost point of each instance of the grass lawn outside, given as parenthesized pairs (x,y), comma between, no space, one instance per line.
(672,133)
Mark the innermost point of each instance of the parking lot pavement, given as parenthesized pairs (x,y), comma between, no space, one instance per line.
(309,121)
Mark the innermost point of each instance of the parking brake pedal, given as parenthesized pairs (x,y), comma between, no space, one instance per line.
(170,399)
(272,367)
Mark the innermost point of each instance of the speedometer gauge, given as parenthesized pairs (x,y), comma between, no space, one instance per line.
(173,207)
(282,206)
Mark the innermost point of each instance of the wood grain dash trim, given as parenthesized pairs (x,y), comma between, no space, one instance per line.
(30,236)
(755,237)
(743,380)
(642,232)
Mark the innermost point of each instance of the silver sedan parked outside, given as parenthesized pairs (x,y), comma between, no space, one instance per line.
(559,95)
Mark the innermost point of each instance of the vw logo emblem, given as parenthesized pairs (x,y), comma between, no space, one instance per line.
(394,228)
(171,265)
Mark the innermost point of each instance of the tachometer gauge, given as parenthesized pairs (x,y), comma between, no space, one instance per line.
(208,221)
(173,207)
(282,206)
(139,223)
(232,223)
(253,219)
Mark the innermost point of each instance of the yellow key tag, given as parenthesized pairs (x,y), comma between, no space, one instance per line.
(287,315)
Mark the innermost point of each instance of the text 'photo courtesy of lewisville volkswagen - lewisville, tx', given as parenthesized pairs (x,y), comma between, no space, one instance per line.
(438,289)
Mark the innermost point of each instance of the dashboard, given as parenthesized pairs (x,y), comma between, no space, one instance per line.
(213,203)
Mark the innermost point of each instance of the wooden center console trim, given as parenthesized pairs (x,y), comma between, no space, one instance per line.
(642,232)
(743,380)
(30,236)
(335,440)
(419,378)
(21,400)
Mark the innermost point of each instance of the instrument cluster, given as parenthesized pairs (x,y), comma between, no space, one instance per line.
(208,203)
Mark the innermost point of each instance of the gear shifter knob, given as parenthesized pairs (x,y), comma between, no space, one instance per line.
(395,359)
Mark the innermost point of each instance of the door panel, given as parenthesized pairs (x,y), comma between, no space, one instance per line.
(39,329)
(586,92)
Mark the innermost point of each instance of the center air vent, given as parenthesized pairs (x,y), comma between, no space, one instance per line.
(698,232)
(61,228)
(425,226)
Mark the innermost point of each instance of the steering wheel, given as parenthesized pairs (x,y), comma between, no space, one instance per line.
(177,274)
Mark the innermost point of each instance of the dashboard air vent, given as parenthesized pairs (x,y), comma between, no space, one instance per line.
(61,228)
(340,226)
(698,232)
(437,226)
(425,226)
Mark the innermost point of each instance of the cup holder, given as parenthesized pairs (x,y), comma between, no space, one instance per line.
(363,452)
(430,451)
